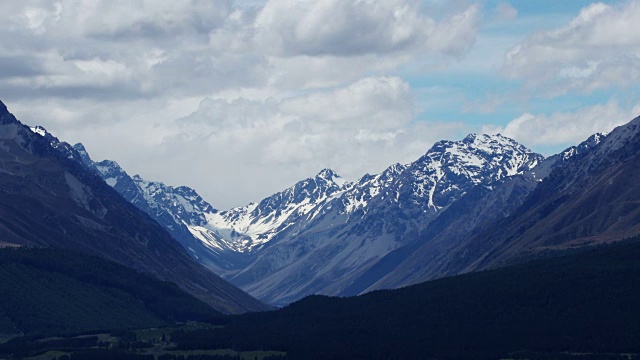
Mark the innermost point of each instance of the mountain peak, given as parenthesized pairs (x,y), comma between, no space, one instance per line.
(479,143)
(330,176)
(474,138)
(396,168)
(5,116)
(84,156)
(470,138)
(450,167)
(594,140)
(109,168)
(39,130)
(3,109)
(53,141)
(326,173)
(80,148)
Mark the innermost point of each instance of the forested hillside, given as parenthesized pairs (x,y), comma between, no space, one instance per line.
(47,291)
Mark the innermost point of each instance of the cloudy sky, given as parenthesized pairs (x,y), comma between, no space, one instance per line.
(240,99)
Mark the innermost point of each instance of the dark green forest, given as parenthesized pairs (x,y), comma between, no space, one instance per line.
(585,303)
(54,292)
(580,305)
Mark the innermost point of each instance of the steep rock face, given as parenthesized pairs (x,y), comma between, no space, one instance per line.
(50,199)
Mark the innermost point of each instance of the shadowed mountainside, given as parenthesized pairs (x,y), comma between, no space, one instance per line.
(50,200)
(51,291)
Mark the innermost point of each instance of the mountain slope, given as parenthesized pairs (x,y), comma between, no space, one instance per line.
(51,200)
(328,248)
(323,234)
(429,255)
(180,210)
(592,198)
(421,258)
(51,292)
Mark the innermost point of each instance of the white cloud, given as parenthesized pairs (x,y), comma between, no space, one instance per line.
(293,85)
(352,28)
(165,19)
(241,150)
(258,146)
(598,49)
(566,128)
(200,47)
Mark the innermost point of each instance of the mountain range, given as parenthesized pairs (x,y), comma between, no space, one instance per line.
(441,215)
(322,234)
(545,251)
(326,235)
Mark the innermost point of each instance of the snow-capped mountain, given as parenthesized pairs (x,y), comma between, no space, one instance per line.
(591,199)
(247,228)
(445,244)
(410,223)
(63,147)
(327,247)
(177,209)
(224,241)
(180,210)
(545,167)
(450,168)
(440,176)
(321,234)
(182,203)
